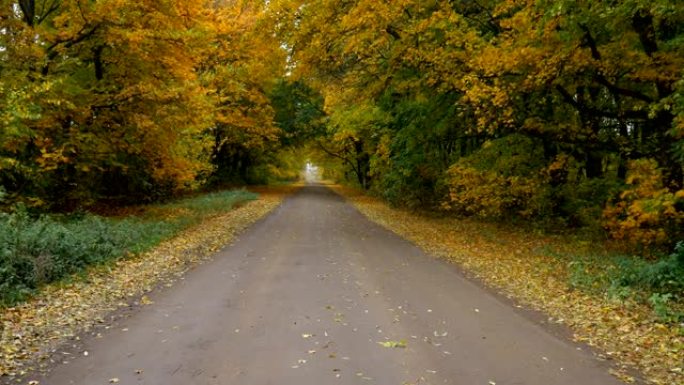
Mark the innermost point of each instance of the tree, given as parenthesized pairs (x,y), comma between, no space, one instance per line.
(595,85)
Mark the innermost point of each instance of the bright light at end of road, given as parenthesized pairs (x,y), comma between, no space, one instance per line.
(311,173)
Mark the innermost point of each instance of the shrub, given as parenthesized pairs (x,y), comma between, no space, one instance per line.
(647,214)
(659,284)
(664,276)
(503,178)
(39,250)
(582,203)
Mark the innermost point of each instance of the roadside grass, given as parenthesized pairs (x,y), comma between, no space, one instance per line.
(598,271)
(659,284)
(37,250)
(56,314)
(631,308)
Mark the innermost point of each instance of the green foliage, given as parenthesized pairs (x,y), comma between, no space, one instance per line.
(210,203)
(663,276)
(659,283)
(662,309)
(421,141)
(581,204)
(298,111)
(512,155)
(38,250)
(586,274)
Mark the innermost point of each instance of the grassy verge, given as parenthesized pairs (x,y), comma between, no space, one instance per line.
(35,251)
(59,312)
(627,307)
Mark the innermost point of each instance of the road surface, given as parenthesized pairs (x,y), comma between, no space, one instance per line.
(316,294)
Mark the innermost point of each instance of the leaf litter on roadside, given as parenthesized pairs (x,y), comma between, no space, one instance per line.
(31,331)
(625,330)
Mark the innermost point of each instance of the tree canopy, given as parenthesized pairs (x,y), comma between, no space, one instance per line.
(131,99)
(506,108)
(565,111)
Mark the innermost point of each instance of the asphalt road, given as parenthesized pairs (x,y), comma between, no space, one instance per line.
(317,294)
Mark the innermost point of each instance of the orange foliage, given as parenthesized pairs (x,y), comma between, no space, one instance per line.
(99,94)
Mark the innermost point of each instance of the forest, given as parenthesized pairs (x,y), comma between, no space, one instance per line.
(564,114)
(537,144)
(569,112)
(562,111)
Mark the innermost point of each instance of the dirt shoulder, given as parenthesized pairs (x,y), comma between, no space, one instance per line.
(520,265)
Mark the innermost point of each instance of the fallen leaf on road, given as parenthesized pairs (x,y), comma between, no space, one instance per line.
(393,344)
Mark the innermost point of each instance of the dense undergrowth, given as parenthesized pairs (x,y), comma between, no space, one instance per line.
(35,250)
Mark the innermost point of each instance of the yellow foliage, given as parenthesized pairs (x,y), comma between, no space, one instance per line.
(647,213)
(132,89)
(488,194)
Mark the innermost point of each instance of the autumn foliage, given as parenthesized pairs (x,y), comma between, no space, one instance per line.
(542,110)
(132,100)
(646,212)
(505,108)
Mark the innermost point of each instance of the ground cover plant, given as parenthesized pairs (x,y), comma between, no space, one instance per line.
(39,249)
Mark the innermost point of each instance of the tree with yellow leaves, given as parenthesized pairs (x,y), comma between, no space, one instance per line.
(125,98)
(593,86)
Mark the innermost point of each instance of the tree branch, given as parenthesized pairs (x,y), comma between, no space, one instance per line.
(338,156)
(601,79)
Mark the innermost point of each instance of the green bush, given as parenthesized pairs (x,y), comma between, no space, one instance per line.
(666,276)
(35,251)
(659,284)
(207,204)
(581,203)
(39,250)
